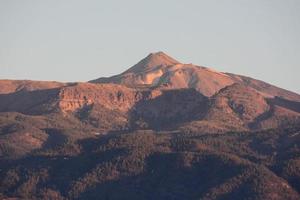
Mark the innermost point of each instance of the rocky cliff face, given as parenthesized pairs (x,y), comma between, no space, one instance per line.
(110,96)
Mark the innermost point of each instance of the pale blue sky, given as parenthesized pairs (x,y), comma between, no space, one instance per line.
(72,40)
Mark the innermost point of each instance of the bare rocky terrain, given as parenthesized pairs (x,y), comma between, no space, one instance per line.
(160,130)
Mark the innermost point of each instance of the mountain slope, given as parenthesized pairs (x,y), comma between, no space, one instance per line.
(264,88)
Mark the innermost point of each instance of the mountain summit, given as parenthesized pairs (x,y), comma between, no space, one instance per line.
(159,70)
(153,61)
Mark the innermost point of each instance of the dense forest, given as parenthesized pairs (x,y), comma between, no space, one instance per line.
(158,165)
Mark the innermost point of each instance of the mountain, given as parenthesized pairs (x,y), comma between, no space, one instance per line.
(159,70)
(160,130)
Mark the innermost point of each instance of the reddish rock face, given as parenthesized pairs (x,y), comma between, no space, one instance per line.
(85,94)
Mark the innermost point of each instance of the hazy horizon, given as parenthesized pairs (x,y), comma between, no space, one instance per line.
(72,41)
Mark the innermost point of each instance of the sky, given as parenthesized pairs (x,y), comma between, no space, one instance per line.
(72,40)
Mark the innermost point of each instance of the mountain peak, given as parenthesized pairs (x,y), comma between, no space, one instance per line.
(159,53)
(152,61)
(159,70)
